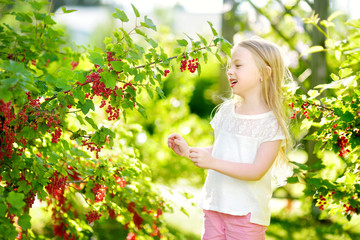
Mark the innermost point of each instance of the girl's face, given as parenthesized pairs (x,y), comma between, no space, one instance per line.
(243,74)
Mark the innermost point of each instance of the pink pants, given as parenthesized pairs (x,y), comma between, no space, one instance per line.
(221,226)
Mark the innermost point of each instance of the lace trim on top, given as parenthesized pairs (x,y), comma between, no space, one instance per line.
(264,126)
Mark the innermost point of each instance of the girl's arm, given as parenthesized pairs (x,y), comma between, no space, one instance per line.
(178,144)
(264,158)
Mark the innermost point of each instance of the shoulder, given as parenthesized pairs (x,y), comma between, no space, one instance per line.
(221,112)
(272,129)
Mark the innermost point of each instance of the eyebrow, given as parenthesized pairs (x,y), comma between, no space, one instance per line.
(236,60)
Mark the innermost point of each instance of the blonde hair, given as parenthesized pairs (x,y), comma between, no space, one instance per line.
(267,54)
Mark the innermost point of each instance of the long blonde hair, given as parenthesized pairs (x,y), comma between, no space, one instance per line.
(267,54)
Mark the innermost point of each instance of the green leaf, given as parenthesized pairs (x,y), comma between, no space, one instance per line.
(354,23)
(160,92)
(137,14)
(36,5)
(65,144)
(117,65)
(91,121)
(87,106)
(315,181)
(347,117)
(140,32)
(300,165)
(334,77)
(67,11)
(3,210)
(139,77)
(23,17)
(345,72)
(148,23)
(39,16)
(16,200)
(184,211)
(152,42)
(292,179)
(24,221)
(313,49)
(335,15)
(109,78)
(121,15)
(149,91)
(5,94)
(337,54)
(212,28)
(202,39)
(96,58)
(48,20)
(81,120)
(79,94)
(182,42)
(142,110)
(218,57)
(313,93)
(24,187)
(226,47)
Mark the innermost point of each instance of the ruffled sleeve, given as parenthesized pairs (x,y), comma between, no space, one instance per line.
(219,114)
(216,119)
(273,131)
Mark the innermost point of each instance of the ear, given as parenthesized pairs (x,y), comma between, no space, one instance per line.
(268,71)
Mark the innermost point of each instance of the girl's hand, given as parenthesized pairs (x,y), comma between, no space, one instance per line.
(178,144)
(201,158)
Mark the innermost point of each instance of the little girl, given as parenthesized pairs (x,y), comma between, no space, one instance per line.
(251,136)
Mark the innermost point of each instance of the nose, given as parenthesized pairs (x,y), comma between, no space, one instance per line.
(229,72)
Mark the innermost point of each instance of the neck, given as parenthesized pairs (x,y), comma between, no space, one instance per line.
(253,105)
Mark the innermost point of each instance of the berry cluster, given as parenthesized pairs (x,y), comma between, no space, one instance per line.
(131,236)
(92,216)
(112,213)
(120,180)
(7,133)
(343,142)
(111,57)
(166,72)
(137,219)
(99,89)
(33,102)
(295,111)
(29,200)
(322,202)
(113,113)
(99,192)
(56,187)
(191,65)
(92,147)
(74,175)
(304,106)
(349,209)
(74,65)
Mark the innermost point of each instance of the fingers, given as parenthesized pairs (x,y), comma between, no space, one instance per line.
(194,154)
(172,138)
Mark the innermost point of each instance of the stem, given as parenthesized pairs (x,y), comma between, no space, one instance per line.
(50,6)
(320,30)
(321,106)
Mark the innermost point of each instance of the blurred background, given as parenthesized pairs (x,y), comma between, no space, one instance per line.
(190,98)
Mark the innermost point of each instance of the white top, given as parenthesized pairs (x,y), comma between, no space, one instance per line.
(237,139)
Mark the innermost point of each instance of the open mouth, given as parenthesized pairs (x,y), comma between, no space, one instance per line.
(233,82)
